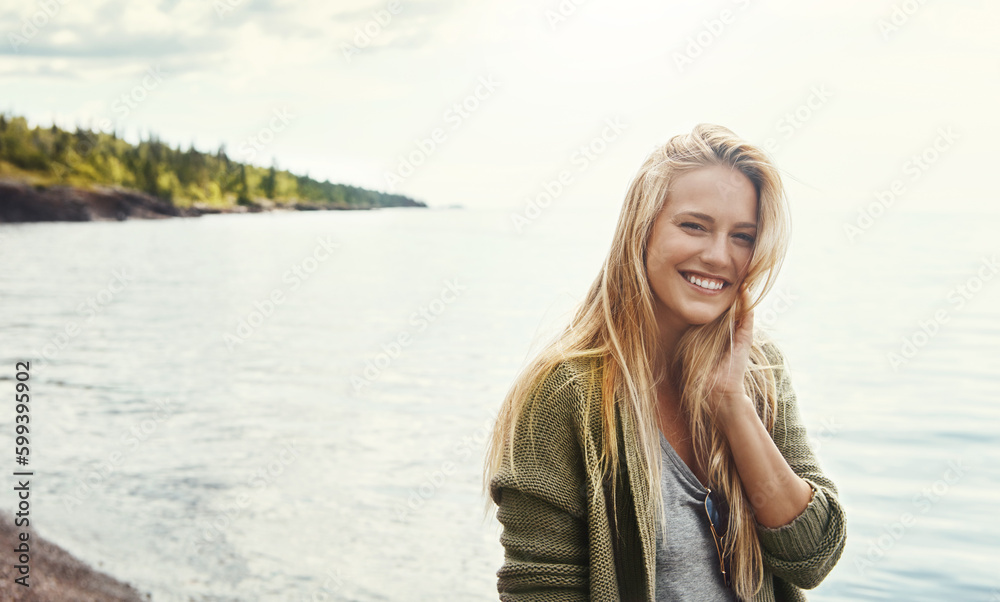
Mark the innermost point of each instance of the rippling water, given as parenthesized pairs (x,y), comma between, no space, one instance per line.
(196,441)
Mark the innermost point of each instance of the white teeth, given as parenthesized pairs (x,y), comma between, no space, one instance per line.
(704,283)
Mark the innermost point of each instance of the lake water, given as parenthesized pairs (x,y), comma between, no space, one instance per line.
(292,406)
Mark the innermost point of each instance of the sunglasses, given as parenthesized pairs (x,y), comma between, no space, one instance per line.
(718,518)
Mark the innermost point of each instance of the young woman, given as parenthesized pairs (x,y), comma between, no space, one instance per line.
(654,451)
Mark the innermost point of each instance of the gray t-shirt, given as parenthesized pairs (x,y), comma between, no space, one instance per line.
(687,563)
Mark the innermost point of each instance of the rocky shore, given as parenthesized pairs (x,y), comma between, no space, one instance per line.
(54,575)
(23,202)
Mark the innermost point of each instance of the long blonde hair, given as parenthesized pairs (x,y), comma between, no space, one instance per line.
(615,325)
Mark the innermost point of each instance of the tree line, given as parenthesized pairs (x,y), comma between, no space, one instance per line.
(53,156)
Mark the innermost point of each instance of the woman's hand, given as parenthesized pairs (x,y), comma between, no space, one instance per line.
(777,494)
(727,395)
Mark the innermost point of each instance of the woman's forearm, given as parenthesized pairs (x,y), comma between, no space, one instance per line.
(776,493)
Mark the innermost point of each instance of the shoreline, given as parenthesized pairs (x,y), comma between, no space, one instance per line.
(55,575)
(22,202)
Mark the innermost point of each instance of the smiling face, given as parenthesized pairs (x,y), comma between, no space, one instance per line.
(700,247)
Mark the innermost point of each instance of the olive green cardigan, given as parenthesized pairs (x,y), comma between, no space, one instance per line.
(560,543)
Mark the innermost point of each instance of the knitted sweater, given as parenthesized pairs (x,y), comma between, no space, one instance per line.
(560,543)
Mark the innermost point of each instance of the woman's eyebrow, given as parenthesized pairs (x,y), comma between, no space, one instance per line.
(711,220)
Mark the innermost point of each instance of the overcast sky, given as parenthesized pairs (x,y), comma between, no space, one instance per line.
(495,99)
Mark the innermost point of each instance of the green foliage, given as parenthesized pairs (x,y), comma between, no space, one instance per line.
(83,158)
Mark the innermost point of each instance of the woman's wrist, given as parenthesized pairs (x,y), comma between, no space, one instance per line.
(732,412)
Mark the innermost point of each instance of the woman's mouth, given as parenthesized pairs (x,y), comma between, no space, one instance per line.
(708,286)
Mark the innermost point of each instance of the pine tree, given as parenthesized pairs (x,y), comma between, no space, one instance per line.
(270,181)
(243,197)
(150,175)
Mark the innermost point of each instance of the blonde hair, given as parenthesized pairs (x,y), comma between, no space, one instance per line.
(615,324)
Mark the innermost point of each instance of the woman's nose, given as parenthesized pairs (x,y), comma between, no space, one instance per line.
(716,251)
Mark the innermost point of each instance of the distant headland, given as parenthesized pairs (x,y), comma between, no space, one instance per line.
(50,174)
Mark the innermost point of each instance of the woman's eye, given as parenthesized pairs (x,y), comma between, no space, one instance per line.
(749,239)
(692,226)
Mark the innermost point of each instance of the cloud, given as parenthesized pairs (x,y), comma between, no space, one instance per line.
(194,35)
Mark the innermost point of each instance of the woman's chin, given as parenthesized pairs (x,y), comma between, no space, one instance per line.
(701,319)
